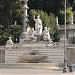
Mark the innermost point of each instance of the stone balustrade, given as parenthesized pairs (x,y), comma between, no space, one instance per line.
(70,26)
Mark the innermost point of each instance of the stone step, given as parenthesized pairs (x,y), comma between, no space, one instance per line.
(30,65)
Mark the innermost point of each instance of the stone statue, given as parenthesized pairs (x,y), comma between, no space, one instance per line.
(9,43)
(72,18)
(57,21)
(38,25)
(46,35)
(32,33)
(28,29)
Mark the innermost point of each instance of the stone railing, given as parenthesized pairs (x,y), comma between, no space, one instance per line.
(36,45)
(70,26)
(2,47)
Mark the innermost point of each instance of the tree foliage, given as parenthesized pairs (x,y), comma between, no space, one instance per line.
(15,31)
(50,6)
(3,35)
(9,11)
(69,14)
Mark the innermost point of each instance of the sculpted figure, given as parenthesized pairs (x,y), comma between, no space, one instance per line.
(9,43)
(32,32)
(46,35)
(38,25)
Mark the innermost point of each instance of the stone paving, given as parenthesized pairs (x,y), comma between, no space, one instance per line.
(27,71)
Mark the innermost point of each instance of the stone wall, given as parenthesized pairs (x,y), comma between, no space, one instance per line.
(70,34)
(2,54)
(71,54)
(54,54)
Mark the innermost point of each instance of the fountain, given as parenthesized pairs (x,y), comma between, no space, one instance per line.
(32,57)
(38,40)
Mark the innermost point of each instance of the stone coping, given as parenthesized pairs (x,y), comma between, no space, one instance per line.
(71,47)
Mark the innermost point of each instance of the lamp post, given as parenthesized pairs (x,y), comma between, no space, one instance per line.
(65,53)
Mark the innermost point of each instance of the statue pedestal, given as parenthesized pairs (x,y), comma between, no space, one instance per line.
(23,36)
(62,40)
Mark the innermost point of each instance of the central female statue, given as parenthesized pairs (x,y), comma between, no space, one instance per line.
(38,25)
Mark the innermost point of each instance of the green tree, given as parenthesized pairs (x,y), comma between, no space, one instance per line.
(15,31)
(50,6)
(3,36)
(69,14)
(61,17)
(70,2)
(9,11)
(35,4)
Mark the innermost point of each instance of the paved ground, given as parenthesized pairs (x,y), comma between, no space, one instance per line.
(27,71)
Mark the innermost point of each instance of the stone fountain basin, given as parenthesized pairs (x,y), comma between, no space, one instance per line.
(32,58)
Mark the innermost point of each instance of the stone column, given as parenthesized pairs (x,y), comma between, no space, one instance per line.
(23,34)
(25,7)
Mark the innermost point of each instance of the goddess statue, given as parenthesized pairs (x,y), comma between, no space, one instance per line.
(38,25)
